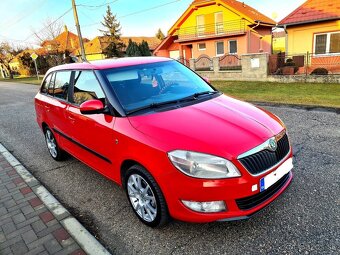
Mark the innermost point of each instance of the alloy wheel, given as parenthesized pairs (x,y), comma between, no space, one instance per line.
(51,143)
(142,197)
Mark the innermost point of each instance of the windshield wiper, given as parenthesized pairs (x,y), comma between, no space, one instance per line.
(177,101)
(152,106)
(196,95)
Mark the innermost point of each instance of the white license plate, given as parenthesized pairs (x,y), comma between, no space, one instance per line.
(276,175)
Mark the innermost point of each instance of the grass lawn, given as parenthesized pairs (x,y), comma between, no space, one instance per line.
(28,80)
(311,94)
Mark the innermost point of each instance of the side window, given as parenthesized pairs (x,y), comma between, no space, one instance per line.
(46,83)
(51,85)
(86,87)
(61,84)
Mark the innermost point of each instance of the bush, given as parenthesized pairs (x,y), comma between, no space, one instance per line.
(319,71)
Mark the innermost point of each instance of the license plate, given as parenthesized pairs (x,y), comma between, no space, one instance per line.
(276,175)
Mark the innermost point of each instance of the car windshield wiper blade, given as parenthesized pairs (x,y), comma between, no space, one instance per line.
(151,106)
(196,95)
(156,105)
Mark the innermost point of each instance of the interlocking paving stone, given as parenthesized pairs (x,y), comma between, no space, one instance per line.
(27,226)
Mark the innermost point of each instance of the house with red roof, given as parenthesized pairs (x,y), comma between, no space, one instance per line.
(66,41)
(314,28)
(215,28)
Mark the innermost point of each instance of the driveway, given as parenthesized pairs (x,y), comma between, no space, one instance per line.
(305,219)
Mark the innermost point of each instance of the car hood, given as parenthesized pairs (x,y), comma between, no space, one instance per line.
(220,126)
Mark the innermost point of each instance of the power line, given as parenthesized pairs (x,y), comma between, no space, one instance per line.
(136,12)
(96,6)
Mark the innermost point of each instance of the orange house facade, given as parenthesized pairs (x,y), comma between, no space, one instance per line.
(216,28)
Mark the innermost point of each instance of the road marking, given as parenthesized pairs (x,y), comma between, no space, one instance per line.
(83,237)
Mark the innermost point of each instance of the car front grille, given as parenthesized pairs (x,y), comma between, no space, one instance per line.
(265,159)
(253,201)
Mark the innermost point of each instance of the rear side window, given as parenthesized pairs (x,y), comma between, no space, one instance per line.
(61,84)
(86,87)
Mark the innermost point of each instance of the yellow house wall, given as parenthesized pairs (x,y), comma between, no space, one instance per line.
(95,56)
(279,44)
(301,38)
(209,18)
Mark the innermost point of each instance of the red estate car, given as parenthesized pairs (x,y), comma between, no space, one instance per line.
(179,147)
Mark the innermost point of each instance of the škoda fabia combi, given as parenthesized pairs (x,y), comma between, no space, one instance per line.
(180,148)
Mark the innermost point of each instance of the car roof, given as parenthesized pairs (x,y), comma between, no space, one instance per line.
(110,63)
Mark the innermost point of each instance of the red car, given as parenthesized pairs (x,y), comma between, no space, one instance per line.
(178,147)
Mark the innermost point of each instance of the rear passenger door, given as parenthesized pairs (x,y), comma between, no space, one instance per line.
(93,133)
(57,107)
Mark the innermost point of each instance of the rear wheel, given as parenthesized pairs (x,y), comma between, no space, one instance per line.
(52,146)
(146,197)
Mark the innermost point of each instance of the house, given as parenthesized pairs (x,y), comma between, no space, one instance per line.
(16,64)
(66,41)
(215,28)
(279,42)
(313,31)
(94,49)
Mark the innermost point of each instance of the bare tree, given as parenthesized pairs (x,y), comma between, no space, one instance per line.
(7,54)
(50,30)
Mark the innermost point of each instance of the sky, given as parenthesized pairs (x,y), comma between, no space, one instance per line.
(19,18)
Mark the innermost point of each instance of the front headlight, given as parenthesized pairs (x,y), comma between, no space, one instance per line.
(200,165)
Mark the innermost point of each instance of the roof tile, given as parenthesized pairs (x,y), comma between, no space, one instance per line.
(313,10)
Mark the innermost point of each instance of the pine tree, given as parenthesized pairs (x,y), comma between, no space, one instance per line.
(160,34)
(144,49)
(113,32)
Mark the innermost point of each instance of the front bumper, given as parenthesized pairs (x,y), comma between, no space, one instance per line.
(237,193)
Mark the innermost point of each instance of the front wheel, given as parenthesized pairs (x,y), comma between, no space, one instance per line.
(146,197)
(52,146)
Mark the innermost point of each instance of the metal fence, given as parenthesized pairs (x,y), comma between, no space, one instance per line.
(230,62)
(203,63)
(304,64)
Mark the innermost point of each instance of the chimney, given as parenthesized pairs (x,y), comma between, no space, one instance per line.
(65,28)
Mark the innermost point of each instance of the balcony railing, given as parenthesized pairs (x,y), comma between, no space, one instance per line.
(233,27)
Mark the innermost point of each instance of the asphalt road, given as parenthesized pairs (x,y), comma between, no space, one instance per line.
(304,220)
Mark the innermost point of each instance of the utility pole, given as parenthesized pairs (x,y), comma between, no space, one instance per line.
(81,43)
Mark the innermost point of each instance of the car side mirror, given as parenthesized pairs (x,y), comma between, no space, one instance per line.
(206,79)
(93,106)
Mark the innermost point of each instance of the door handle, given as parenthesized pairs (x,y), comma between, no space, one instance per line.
(71,118)
(47,108)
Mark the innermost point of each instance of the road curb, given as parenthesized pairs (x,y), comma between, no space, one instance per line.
(80,234)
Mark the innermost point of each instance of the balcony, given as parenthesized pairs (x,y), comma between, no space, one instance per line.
(229,28)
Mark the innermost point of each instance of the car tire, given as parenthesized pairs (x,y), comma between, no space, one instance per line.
(145,197)
(52,146)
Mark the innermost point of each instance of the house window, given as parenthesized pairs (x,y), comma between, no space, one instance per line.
(219,23)
(200,25)
(201,46)
(219,48)
(233,47)
(327,43)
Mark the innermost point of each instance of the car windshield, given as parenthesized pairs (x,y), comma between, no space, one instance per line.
(146,85)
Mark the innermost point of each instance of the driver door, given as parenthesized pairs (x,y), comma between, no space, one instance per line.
(92,135)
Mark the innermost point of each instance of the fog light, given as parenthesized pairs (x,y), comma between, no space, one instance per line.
(212,206)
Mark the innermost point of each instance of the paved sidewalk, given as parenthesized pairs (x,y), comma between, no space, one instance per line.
(32,221)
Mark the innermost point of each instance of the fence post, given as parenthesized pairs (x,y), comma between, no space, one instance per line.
(216,64)
(307,63)
(192,64)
